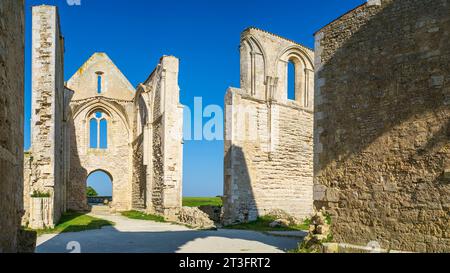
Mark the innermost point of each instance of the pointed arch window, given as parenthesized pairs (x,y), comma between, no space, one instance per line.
(98,131)
(99,82)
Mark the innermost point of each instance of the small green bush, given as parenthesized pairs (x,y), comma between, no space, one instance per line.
(38,194)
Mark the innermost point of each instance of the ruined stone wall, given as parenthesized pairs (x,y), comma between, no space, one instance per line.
(47,151)
(62,157)
(27,165)
(115,160)
(140,159)
(115,102)
(269,138)
(11,121)
(139,183)
(161,120)
(382,140)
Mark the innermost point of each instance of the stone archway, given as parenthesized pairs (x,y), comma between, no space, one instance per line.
(93,150)
(101,181)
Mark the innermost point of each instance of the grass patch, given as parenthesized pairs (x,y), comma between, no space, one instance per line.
(76,222)
(137,215)
(202,201)
(263,224)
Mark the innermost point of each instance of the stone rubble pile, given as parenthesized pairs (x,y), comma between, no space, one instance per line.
(195,218)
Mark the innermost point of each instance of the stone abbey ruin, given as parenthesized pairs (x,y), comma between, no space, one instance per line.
(366,138)
(143,149)
(269,141)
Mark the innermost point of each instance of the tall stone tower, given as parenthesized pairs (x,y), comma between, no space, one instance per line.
(47,157)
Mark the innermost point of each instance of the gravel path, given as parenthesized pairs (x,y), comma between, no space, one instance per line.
(137,236)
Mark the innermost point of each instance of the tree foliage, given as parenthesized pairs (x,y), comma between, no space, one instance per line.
(91,192)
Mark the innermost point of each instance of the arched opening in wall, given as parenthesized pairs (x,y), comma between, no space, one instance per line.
(98,131)
(291,81)
(99,188)
(142,115)
(99,82)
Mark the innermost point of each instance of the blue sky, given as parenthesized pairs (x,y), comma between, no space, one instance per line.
(203,34)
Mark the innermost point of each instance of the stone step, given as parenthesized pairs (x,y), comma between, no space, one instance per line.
(100,210)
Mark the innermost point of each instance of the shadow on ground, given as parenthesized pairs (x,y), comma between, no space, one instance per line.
(111,240)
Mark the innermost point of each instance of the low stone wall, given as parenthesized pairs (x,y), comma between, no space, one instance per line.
(355,249)
(41,213)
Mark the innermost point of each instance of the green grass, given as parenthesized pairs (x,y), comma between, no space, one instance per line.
(263,224)
(202,201)
(76,222)
(142,216)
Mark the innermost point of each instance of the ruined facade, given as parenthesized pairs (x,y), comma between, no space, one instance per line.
(158,150)
(269,138)
(11,122)
(382,132)
(142,147)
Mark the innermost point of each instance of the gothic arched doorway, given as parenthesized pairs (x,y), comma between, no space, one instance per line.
(99,188)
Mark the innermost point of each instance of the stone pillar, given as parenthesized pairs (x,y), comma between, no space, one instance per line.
(172,136)
(47,109)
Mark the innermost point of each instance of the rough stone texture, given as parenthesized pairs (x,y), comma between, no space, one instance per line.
(282,215)
(115,102)
(214,213)
(145,174)
(279,223)
(26,188)
(319,232)
(159,119)
(269,138)
(48,152)
(11,122)
(143,155)
(383,125)
(194,217)
(26,241)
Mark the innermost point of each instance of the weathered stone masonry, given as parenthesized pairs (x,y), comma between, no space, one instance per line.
(143,158)
(159,126)
(11,122)
(116,105)
(143,153)
(269,138)
(46,158)
(382,132)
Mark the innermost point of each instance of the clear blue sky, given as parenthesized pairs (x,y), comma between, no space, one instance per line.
(203,34)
